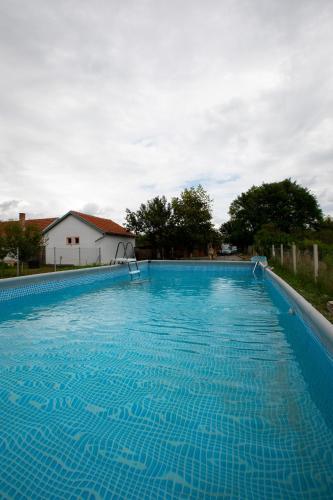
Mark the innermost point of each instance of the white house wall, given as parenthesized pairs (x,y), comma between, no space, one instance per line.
(86,252)
(109,247)
(92,249)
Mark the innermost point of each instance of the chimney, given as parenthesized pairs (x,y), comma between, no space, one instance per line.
(22,218)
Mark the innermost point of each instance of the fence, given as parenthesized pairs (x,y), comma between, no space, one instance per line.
(311,261)
(72,256)
(54,257)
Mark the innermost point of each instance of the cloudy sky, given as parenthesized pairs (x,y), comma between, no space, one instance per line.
(105,104)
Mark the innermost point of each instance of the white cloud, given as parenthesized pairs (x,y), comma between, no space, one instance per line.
(106,104)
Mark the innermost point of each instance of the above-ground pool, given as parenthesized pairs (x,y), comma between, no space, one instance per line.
(198,382)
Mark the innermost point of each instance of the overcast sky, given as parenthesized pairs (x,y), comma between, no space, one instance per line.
(105,104)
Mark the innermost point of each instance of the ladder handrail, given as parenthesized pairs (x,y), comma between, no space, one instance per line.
(120,243)
(255,267)
(125,247)
(130,261)
(131,244)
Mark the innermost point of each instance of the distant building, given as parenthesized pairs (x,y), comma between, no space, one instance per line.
(81,239)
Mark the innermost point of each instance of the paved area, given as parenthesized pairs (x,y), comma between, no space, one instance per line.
(231,257)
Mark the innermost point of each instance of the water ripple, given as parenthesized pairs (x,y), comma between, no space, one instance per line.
(190,386)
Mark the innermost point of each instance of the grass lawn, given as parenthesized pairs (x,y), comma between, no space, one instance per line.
(318,294)
(10,271)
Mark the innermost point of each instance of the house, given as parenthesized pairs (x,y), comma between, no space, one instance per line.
(40,223)
(81,239)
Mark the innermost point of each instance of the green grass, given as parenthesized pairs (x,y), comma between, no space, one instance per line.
(318,294)
(10,271)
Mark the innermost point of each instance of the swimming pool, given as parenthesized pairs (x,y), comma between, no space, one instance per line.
(197,383)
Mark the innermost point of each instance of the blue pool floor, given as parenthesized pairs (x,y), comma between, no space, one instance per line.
(191,385)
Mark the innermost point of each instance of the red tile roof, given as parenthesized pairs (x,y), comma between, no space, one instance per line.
(105,225)
(40,223)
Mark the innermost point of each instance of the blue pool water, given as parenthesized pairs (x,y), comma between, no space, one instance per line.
(195,384)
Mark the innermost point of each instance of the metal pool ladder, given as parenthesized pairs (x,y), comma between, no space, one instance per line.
(133,268)
(259,259)
(255,267)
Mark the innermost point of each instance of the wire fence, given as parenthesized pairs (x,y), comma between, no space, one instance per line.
(310,261)
(72,256)
(59,258)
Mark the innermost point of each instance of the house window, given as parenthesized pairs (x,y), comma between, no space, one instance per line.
(73,240)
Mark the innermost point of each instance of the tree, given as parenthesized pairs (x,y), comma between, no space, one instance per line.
(3,247)
(288,206)
(324,232)
(28,240)
(268,235)
(185,222)
(152,222)
(192,216)
(3,252)
(234,232)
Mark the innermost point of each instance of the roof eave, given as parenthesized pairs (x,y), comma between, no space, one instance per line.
(73,214)
(130,235)
(48,227)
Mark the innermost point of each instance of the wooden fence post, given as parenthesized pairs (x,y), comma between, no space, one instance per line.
(273,251)
(281,256)
(294,258)
(315,261)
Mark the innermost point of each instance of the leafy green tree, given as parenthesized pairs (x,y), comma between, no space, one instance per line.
(3,247)
(3,253)
(28,240)
(185,222)
(324,232)
(152,223)
(192,216)
(290,207)
(234,232)
(268,235)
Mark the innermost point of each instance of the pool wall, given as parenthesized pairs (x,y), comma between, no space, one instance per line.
(13,288)
(310,316)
